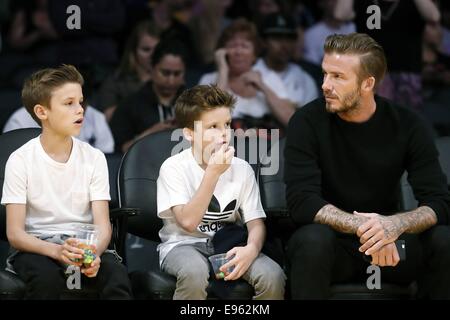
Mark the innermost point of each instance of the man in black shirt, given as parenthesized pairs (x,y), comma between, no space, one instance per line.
(345,154)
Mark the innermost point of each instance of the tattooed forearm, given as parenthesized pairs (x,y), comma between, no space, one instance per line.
(339,220)
(416,221)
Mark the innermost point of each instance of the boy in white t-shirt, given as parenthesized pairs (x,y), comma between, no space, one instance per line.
(204,188)
(54,183)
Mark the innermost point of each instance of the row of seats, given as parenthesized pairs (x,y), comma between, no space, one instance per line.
(133,192)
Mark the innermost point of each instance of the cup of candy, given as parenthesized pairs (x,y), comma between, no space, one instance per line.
(87,236)
(217,261)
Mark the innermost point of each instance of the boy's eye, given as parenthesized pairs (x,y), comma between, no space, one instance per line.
(213,126)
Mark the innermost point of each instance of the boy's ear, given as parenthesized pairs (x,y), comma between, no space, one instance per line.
(188,134)
(40,111)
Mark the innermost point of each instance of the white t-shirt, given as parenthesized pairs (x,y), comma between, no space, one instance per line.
(315,39)
(258,105)
(95,130)
(236,199)
(56,194)
(299,84)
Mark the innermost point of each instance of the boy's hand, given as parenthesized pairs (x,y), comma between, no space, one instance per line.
(220,160)
(243,258)
(69,253)
(92,270)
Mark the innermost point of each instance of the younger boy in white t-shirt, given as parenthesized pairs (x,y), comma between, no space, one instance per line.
(202,189)
(54,183)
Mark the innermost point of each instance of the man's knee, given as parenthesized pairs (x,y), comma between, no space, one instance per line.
(439,241)
(312,238)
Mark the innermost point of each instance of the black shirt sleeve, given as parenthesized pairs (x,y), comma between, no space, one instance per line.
(303,175)
(425,174)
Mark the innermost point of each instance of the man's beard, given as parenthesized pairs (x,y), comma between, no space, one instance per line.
(350,102)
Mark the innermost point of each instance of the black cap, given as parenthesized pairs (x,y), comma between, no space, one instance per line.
(278,24)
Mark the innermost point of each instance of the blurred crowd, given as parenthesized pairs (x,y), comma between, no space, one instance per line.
(137,56)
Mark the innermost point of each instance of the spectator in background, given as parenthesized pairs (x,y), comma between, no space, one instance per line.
(94,44)
(210,23)
(280,36)
(32,31)
(151,108)
(173,18)
(403,83)
(134,69)
(436,80)
(262,98)
(262,8)
(315,36)
(95,129)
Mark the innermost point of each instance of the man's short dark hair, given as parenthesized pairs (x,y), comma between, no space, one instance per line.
(371,54)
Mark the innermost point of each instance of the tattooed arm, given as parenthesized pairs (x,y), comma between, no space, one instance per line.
(339,220)
(381,230)
(416,221)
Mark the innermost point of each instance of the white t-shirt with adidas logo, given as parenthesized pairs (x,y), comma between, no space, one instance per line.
(236,199)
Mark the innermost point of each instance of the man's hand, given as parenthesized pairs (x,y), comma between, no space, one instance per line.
(387,256)
(377,232)
(243,258)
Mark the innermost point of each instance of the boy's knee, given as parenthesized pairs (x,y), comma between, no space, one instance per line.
(195,274)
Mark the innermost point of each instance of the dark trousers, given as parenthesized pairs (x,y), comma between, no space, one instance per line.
(45,278)
(318,257)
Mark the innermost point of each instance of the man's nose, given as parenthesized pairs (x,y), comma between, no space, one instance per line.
(326,84)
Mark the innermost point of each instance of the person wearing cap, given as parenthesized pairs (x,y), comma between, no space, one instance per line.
(280,36)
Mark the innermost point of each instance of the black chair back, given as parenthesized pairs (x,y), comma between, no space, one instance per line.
(10,142)
(138,174)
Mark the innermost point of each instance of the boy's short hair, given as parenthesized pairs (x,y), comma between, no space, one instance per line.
(38,88)
(192,103)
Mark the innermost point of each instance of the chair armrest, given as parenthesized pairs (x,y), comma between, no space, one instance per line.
(119,221)
(120,212)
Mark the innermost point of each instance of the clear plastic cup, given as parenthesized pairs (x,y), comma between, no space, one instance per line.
(217,261)
(87,236)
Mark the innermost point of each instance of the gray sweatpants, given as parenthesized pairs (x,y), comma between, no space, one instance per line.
(190,265)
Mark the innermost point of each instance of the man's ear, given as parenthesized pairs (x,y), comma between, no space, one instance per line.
(188,134)
(368,84)
(40,111)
